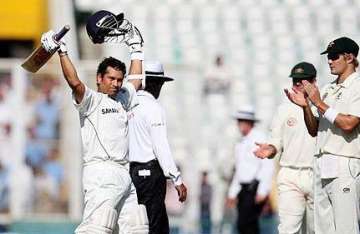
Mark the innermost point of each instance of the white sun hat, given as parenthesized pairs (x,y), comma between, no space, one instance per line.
(246,113)
(154,69)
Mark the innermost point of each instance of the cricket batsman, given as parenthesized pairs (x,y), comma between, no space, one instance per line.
(109,195)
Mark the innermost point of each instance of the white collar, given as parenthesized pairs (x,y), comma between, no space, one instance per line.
(348,81)
(146,94)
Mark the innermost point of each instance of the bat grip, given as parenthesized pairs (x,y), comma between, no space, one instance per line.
(62,33)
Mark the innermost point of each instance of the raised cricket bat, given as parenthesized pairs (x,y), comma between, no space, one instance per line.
(40,56)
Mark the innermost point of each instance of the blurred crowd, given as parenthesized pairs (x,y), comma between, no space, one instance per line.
(38,183)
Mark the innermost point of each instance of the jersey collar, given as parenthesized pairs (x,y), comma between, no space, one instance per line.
(349,80)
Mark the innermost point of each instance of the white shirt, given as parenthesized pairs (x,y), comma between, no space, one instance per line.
(290,137)
(345,98)
(328,165)
(332,141)
(148,136)
(248,167)
(104,124)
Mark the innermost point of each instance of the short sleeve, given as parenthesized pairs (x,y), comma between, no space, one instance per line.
(89,102)
(276,130)
(354,105)
(127,96)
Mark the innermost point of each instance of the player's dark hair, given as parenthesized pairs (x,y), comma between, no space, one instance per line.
(110,62)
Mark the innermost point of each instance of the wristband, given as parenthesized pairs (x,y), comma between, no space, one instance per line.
(62,53)
(330,114)
(135,77)
(138,55)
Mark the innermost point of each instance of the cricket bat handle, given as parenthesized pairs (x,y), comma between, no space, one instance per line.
(61,33)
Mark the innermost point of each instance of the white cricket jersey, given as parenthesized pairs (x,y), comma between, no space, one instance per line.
(248,167)
(104,124)
(148,136)
(345,98)
(290,137)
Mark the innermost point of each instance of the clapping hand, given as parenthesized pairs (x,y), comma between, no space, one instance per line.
(312,92)
(296,97)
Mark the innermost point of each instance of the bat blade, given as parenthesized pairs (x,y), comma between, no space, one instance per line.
(40,56)
(36,59)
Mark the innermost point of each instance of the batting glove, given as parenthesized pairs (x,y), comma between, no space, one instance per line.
(48,42)
(135,44)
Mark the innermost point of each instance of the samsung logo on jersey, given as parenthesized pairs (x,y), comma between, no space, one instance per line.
(109,110)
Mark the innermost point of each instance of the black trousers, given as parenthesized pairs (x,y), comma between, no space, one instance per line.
(248,211)
(151,191)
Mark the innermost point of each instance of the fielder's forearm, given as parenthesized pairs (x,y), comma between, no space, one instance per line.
(347,123)
(311,122)
(322,107)
(72,78)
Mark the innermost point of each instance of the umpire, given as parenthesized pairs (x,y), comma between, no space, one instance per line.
(151,161)
(251,183)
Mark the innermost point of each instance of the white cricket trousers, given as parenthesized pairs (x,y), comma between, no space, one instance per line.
(106,183)
(296,203)
(337,199)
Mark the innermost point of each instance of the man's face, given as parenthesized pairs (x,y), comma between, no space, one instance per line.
(297,84)
(245,126)
(337,63)
(110,82)
(154,86)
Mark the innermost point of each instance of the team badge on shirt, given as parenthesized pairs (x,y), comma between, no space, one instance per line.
(346,190)
(291,122)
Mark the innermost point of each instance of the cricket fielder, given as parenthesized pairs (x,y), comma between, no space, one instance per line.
(336,125)
(291,141)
